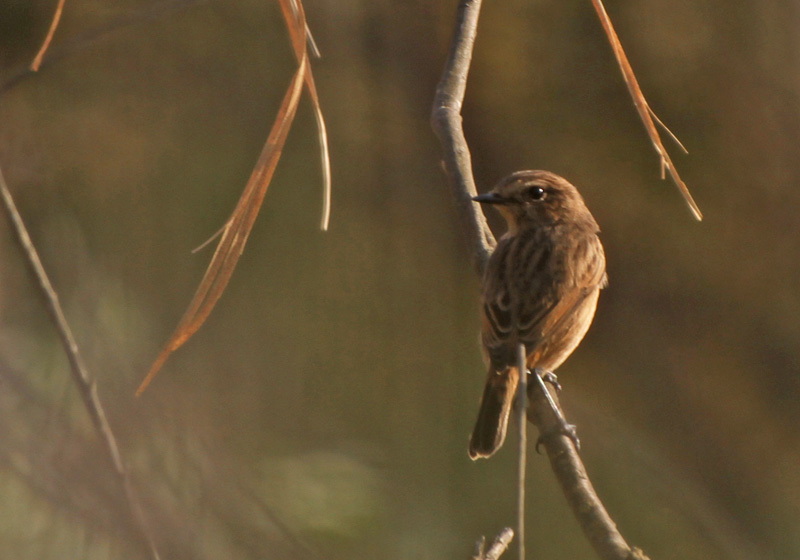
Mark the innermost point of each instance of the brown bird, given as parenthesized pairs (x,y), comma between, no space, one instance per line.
(540,288)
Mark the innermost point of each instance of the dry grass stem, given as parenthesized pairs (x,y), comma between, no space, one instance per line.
(236,230)
(646,114)
(37,60)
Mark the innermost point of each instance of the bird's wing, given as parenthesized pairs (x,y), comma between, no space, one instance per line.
(531,289)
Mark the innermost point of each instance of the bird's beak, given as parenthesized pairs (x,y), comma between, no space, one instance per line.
(490,198)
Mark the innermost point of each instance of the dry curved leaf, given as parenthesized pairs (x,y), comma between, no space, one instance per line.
(235,232)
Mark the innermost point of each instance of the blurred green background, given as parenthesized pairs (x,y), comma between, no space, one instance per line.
(323,410)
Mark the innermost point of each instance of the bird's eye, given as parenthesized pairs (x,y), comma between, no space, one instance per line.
(535,193)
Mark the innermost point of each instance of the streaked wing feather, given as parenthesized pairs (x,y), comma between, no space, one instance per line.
(544,300)
(586,267)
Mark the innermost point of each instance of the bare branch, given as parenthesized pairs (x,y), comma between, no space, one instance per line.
(447,124)
(499,545)
(87,388)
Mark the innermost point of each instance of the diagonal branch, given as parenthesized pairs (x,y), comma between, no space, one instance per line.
(598,527)
(80,375)
(496,549)
(446,120)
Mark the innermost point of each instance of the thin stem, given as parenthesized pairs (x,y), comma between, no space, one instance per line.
(37,61)
(522,407)
(86,40)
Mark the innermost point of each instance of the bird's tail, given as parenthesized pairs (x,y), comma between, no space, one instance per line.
(490,429)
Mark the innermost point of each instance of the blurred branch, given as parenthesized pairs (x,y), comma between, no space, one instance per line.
(447,124)
(646,114)
(498,547)
(37,60)
(80,375)
(597,525)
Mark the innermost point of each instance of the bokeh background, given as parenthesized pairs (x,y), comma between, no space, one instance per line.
(323,410)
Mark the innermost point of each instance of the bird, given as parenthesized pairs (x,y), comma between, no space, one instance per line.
(540,288)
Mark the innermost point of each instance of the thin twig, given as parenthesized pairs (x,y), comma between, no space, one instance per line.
(497,548)
(479,546)
(522,406)
(499,545)
(598,526)
(87,388)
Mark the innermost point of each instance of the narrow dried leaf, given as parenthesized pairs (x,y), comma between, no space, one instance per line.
(237,229)
(37,61)
(666,129)
(645,113)
(324,155)
(298,30)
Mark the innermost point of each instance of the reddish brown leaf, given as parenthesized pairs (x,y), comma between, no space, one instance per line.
(237,229)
